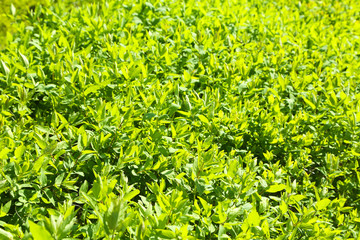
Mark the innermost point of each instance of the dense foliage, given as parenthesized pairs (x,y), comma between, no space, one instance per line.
(177,119)
(8,10)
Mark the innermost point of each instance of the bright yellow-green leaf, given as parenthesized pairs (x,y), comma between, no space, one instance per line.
(296,198)
(265,228)
(167,234)
(91,89)
(253,218)
(322,204)
(276,188)
(308,102)
(20,151)
(4,152)
(203,119)
(39,232)
(131,195)
(283,207)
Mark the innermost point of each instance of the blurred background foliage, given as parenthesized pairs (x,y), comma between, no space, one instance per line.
(11,8)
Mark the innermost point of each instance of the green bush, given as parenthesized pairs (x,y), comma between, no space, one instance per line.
(10,8)
(169,119)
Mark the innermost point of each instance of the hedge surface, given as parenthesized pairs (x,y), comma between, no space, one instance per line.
(177,119)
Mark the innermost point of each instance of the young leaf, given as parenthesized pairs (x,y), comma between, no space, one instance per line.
(308,102)
(5,209)
(253,218)
(4,68)
(13,10)
(24,60)
(19,151)
(167,234)
(39,232)
(203,119)
(131,195)
(322,204)
(276,188)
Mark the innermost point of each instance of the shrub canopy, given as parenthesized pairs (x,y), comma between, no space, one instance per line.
(177,119)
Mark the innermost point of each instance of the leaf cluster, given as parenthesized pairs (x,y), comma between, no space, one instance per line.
(176,119)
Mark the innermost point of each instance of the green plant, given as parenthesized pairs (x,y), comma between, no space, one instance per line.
(181,120)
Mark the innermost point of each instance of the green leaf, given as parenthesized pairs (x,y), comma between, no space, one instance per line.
(91,89)
(131,195)
(4,68)
(167,234)
(19,151)
(127,114)
(5,209)
(24,60)
(308,102)
(114,214)
(276,188)
(253,218)
(39,140)
(13,9)
(322,204)
(222,233)
(333,98)
(124,71)
(84,187)
(80,143)
(42,178)
(4,152)
(293,217)
(187,76)
(39,232)
(265,228)
(203,119)
(38,163)
(296,198)
(59,179)
(283,207)
(4,235)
